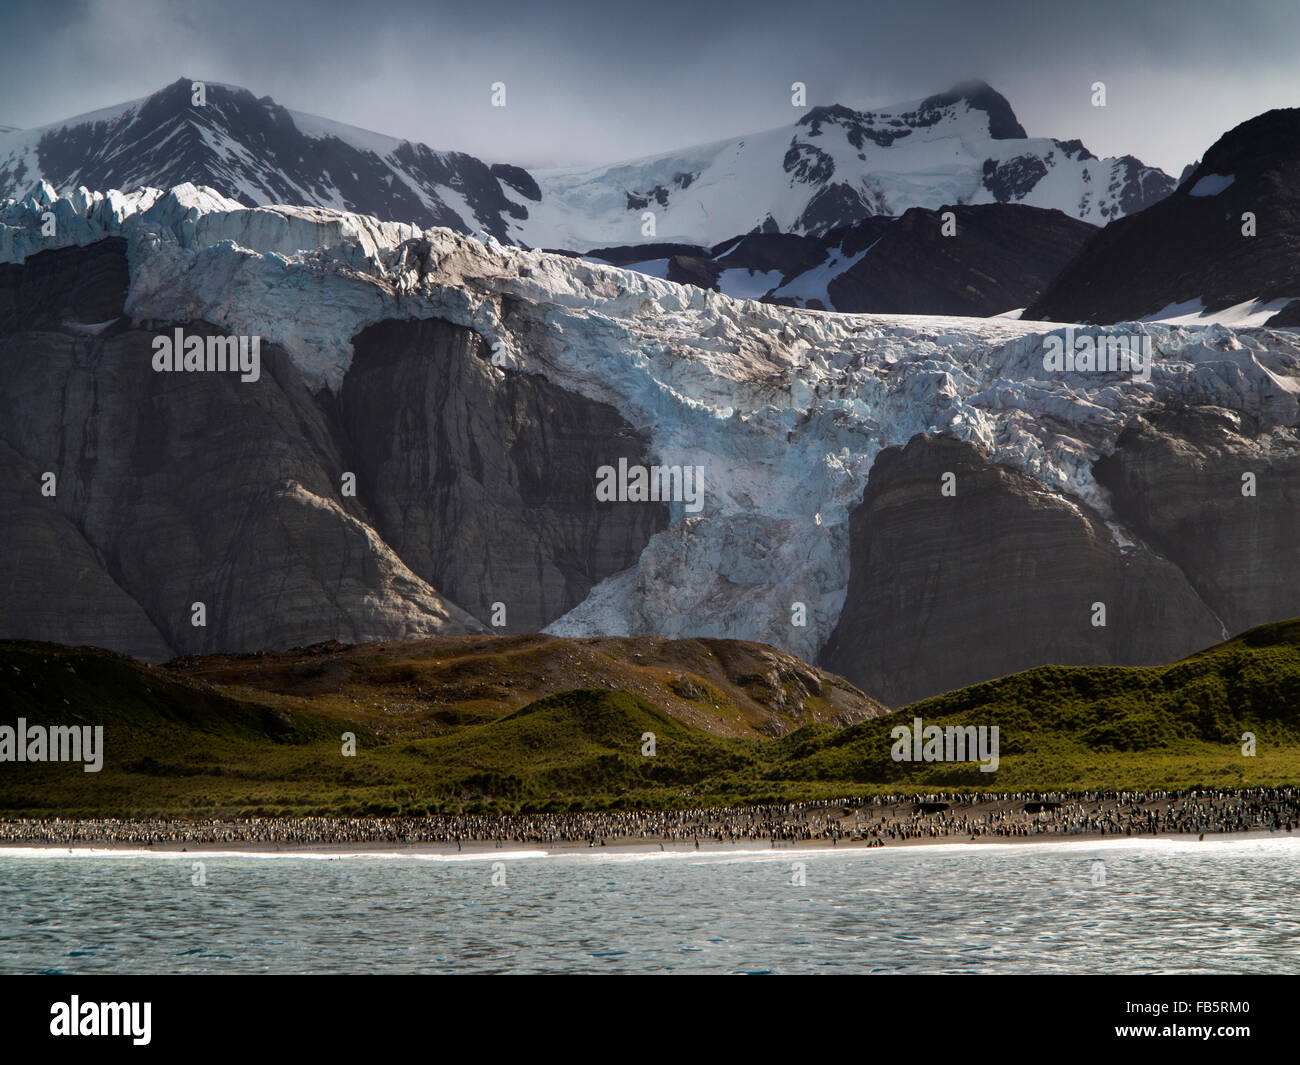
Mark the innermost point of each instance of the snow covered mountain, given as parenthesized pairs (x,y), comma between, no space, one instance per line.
(836,166)
(257,152)
(475,390)
(831,168)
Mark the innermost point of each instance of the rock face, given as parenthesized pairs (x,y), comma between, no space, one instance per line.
(483,481)
(192,488)
(1193,246)
(1203,487)
(54,585)
(80,285)
(1000,257)
(950,590)
(180,488)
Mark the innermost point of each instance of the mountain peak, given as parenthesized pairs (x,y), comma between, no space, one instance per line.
(1262,144)
(830,173)
(255,151)
(1185,257)
(979,95)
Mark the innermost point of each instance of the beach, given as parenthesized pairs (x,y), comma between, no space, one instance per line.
(878,821)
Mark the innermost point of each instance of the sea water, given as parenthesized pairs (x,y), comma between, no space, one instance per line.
(1155,906)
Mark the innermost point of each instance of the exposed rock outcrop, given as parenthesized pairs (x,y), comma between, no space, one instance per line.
(483,480)
(54,585)
(1000,258)
(84,286)
(1203,486)
(999,576)
(191,488)
(179,488)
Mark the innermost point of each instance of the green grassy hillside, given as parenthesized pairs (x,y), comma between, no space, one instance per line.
(180,746)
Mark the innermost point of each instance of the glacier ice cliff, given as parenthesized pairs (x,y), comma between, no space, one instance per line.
(786,410)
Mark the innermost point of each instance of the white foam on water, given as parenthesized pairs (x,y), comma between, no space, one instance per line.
(303,855)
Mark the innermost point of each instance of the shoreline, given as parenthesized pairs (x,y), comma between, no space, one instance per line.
(879,822)
(647,848)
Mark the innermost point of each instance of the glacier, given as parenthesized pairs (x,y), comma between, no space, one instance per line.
(785,409)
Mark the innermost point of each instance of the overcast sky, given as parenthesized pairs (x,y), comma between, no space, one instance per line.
(598,82)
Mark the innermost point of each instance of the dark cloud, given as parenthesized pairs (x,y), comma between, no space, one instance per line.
(592,82)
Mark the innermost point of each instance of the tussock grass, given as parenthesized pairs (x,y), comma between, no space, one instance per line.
(180,747)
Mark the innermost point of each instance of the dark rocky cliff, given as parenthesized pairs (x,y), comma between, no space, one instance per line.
(176,488)
(1000,258)
(1176,478)
(947,591)
(482,479)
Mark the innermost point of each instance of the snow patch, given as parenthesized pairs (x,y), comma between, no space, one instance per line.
(1212,184)
(1248,315)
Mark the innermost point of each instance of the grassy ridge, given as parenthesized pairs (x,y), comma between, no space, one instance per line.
(180,747)
(1083,727)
